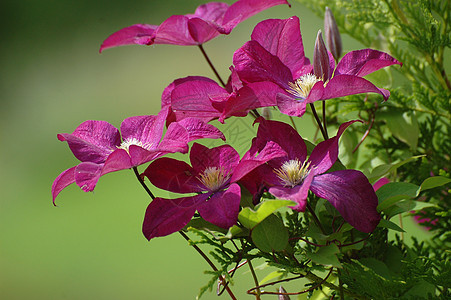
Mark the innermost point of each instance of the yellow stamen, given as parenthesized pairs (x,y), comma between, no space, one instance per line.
(213,178)
(302,86)
(292,172)
(134,141)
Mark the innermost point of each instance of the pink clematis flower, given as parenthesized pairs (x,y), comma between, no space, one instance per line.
(208,21)
(203,98)
(212,176)
(293,175)
(97,144)
(275,54)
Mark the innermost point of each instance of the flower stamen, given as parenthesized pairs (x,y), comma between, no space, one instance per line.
(292,172)
(302,86)
(214,178)
(134,141)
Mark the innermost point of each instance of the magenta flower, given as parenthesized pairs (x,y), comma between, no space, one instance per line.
(212,177)
(203,98)
(292,176)
(97,144)
(208,21)
(275,54)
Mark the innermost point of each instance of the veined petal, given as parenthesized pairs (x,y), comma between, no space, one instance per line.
(201,31)
(166,216)
(224,157)
(197,129)
(174,31)
(141,34)
(352,195)
(253,63)
(223,207)
(87,175)
(325,153)
(363,62)
(297,193)
(173,175)
(144,130)
(283,39)
(243,9)
(92,141)
(63,180)
(212,11)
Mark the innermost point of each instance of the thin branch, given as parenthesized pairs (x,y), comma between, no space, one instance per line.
(135,170)
(211,65)
(318,121)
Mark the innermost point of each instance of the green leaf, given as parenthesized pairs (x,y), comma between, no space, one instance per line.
(404,126)
(326,256)
(271,276)
(393,192)
(432,182)
(270,235)
(390,225)
(250,218)
(385,169)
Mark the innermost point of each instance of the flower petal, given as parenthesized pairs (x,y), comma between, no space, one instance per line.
(325,153)
(283,39)
(92,141)
(174,31)
(141,34)
(243,9)
(197,129)
(224,157)
(173,175)
(223,207)
(350,192)
(63,180)
(363,62)
(166,216)
(297,193)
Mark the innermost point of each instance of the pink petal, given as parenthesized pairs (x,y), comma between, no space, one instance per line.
(325,153)
(197,129)
(166,216)
(283,39)
(383,181)
(290,106)
(87,175)
(212,11)
(223,207)
(363,62)
(63,180)
(174,31)
(92,141)
(173,175)
(297,193)
(201,31)
(224,157)
(253,63)
(243,9)
(147,130)
(352,195)
(141,34)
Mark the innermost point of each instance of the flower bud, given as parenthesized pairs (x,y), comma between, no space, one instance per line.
(321,67)
(333,37)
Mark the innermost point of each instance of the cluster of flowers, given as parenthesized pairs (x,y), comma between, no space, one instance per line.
(270,70)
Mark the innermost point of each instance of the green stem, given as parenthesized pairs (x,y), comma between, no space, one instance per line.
(324,118)
(135,170)
(254,276)
(318,121)
(315,218)
(211,65)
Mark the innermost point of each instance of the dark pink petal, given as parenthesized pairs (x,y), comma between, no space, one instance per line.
(173,175)
(243,9)
(380,182)
(140,155)
(283,39)
(212,11)
(290,106)
(201,31)
(166,216)
(197,129)
(321,65)
(270,151)
(147,130)
(352,195)
(249,97)
(193,98)
(141,34)
(297,193)
(223,207)
(234,82)
(344,85)
(87,175)
(174,31)
(224,157)
(253,63)
(63,180)
(284,135)
(325,153)
(118,160)
(92,141)
(363,62)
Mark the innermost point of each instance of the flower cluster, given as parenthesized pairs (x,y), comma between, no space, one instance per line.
(271,69)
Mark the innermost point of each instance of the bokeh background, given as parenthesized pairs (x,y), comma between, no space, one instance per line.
(52,79)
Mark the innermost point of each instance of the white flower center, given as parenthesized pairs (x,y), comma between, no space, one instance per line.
(292,172)
(302,86)
(213,178)
(134,141)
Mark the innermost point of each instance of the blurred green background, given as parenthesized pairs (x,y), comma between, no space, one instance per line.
(52,79)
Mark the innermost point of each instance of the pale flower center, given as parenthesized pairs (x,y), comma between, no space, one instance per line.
(302,86)
(213,178)
(134,141)
(292,172)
